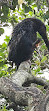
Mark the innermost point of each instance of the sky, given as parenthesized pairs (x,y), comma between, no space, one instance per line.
(7,31)
(45,74)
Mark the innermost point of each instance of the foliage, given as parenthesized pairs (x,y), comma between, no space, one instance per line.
(1,31)
(4,109)
(14,15)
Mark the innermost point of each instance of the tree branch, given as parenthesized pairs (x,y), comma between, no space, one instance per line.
(24,96)
(18,95)
(23,77)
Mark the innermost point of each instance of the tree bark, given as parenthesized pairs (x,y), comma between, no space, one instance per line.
(24,77)
(32,97)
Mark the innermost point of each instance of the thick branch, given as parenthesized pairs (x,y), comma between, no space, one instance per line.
(23,77)
(24,96)
(13,92)
(37,80)
(32,97)
(20,96)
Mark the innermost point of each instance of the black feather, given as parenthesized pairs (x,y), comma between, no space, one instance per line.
(24,39)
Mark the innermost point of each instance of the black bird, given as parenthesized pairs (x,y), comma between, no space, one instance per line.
(24,40)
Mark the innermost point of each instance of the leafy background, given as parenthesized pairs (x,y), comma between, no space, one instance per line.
(13,12)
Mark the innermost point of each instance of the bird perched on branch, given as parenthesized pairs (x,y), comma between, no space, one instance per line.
(24,40)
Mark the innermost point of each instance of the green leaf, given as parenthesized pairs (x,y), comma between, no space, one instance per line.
(31,13)
(4,45)
(43,59)
(37,70)
(33,6)
(1,31)
(7,39)
(37,62)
